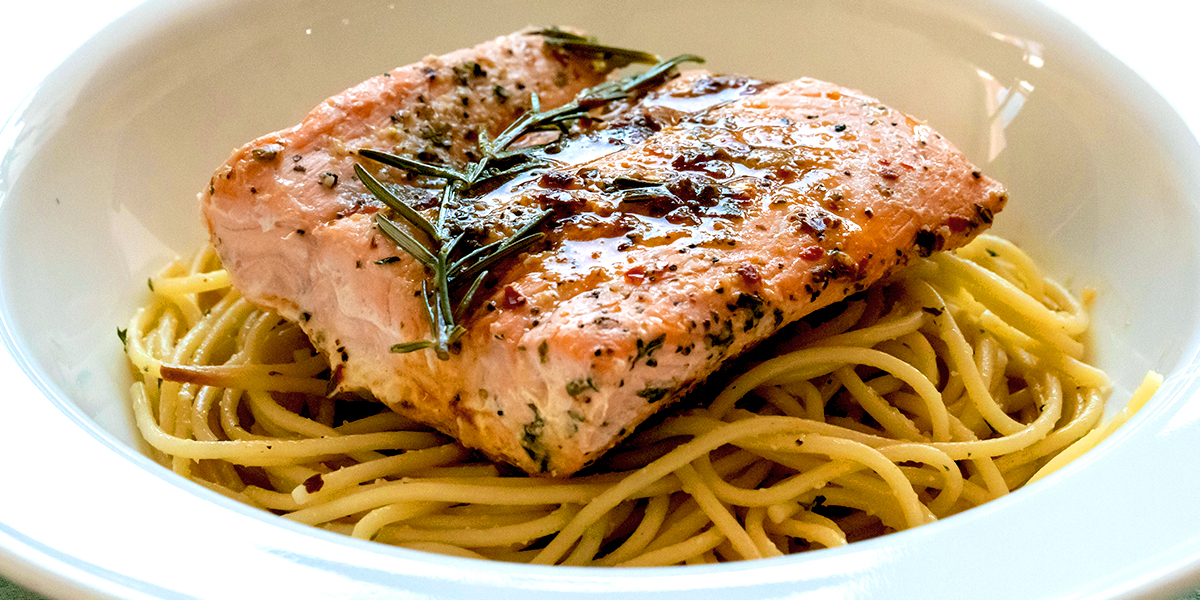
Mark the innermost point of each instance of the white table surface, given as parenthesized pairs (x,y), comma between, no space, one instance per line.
(1157,38)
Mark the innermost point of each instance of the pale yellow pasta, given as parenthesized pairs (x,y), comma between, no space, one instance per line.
(953,383)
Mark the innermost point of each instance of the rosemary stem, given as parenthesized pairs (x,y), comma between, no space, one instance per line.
(446,325)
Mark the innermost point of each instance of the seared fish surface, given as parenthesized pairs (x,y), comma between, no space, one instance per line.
(688,224)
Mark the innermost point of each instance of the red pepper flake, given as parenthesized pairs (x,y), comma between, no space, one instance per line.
(958,224)
(513,298)
(636,275)
(750,275)
(885,162)
(907,166)
(889,174)
(556,180)
(813,253)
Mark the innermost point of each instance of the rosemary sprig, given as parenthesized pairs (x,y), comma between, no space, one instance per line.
(616,58)
(450,269)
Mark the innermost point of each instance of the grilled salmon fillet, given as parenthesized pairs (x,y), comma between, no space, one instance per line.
(688,224)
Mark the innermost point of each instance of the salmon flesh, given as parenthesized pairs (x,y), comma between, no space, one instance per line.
(687,224)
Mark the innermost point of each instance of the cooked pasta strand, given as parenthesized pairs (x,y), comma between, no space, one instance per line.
(948,386)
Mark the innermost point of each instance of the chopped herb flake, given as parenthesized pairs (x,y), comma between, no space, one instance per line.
(531,439)
(646,350)
(580,386)
(653,394)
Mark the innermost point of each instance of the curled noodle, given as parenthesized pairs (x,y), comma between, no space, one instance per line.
(951,384)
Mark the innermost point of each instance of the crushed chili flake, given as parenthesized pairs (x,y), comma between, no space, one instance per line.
(750,275)
(513,298)
(958,224)
(556,180)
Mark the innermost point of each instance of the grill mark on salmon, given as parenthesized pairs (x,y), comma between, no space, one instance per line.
(688,225)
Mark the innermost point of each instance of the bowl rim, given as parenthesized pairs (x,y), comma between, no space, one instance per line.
(46,569)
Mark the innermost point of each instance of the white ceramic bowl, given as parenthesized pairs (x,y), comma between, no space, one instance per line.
(97,189)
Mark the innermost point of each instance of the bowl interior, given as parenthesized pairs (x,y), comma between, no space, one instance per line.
(98,186)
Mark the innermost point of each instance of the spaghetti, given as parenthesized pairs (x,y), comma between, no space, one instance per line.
(947,386)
